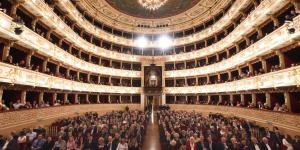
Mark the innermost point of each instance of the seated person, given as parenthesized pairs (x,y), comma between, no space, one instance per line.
(3,107)
(38,143)
(18,105)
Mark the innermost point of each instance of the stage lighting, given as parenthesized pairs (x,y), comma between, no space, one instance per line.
(141,42)
(164,42)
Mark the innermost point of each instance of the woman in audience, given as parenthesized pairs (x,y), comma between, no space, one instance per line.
(71,145)
(287,142)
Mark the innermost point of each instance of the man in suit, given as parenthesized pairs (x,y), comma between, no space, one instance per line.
(200,143)
(210,145)
(254,144)
(191,145)
(265,144)
(223,145)
(275,139)
(109,143)
(116,141)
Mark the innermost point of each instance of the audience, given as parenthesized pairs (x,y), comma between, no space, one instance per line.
(217,132)
(117,130)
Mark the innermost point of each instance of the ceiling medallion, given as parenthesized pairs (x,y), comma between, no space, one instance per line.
(152,4)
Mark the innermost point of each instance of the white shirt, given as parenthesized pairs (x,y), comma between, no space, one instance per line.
(269,148)
(17,105)
(31,136)
(122,146)
(256,147)
(287,144)
(192,146)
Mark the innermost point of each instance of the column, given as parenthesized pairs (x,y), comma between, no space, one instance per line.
(217,57)
(227,53)
(142,101)
(79,54)
(76,101)
(28,58)
(131,99)
(231,98)
(60,42)
(206,60)
(54,99)
(208,99)
(68,72)
(243,99)
(268,99)
(239,71)
(109,101)
(234,23)
(243,14)
(45,62)
(98,98)
(237,47)
(70,48)
(259,31)
(53,3)
(255,3)
(219,76)
(23,97)
(78,75)
(14,8)
(229,76)
(225,32)
(66,98)
(250,67)
(287,100)
(87,98)
(57,69)
(99,79)
(296,4)
(88,77)
(275,20)
(281,59)
(90,57)
(48,35)
(220,99)
(247,40)
(6,50)
(208,79)
(41,97)
(1,95)
(264,64)
(33,23)
(253,95)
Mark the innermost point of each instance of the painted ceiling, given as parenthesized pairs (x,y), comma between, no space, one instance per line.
(171,8)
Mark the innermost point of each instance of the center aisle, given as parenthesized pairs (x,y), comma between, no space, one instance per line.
(151,141)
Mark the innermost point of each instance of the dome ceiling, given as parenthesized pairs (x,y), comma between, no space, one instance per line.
(169,8)
(131,16)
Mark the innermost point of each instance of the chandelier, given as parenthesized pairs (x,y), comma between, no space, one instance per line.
(152,4)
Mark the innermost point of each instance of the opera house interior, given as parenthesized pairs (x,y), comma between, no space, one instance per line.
(149,75)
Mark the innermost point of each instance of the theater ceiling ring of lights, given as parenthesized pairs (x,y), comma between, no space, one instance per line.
(127,15)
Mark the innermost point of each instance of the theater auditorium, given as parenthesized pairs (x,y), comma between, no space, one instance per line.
(149,75)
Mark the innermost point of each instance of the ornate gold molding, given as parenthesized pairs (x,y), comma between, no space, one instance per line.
(282,78)
(16,75)
(196,15)
(42,46)
(274,41)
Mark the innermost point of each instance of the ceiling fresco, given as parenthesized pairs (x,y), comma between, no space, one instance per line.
(170,8)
